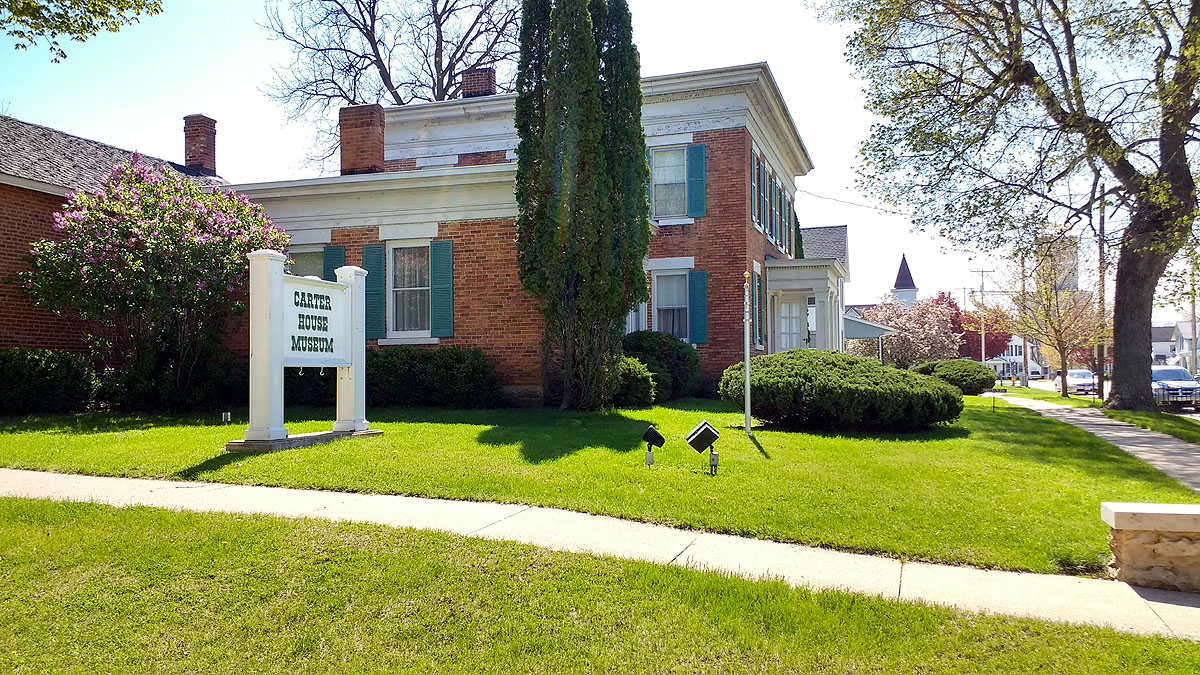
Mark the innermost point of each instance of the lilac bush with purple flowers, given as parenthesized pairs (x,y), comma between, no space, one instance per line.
(155,264)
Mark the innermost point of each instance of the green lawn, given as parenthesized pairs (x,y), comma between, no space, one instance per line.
(91,588)
(1173,425)
(1006,489)
(1053,397)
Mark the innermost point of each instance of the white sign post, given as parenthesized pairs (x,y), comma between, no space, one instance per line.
(309,323)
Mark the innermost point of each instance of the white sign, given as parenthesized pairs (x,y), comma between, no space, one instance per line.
(318,331)
(298,321)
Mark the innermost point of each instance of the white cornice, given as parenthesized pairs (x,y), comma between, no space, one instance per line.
(35,185)
(439,177)
(809,262)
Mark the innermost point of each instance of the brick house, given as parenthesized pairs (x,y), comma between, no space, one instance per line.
(39,167)
(425,204)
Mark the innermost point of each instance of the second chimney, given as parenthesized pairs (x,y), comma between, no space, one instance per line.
(200,144)
(361,131)
(478,82)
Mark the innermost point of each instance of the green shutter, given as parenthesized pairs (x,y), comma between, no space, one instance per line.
(799,240)
(441,289)
(697,200)
(762,310)
(698,307)
(753,187)
(333,257)
(755,319)
(373,261)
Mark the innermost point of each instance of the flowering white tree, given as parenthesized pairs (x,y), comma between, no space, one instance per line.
(924,332)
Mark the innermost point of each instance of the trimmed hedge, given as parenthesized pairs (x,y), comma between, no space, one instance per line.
(971,377)
(45,381)
(810,389)
(449,377)
(635,384)
(670,355)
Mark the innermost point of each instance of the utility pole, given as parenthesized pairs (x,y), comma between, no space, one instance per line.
(1192,365)
(982,320)
(1021,321)
(1103,313)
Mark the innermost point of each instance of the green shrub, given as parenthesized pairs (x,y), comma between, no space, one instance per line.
(971,377)
(661,377)
(678,358)
(462,378)
(398,377)
(635,384)
(44,381)
(310,386)
(450,377)
(809,389)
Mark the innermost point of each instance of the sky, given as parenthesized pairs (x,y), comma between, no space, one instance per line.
(131,89)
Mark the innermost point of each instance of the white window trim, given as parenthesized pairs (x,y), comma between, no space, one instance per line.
(639,314)
(675,219)
(654,275)
(669,264)
(306,248)
(758,225)
(405,336)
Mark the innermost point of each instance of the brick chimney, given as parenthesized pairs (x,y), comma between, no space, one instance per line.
(478,82)
(200,144)
(361,130)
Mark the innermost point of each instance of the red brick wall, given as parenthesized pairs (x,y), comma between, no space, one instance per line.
(200,143)
(409,164)
(27,216)
(481,158)
(491,311)
(715,242)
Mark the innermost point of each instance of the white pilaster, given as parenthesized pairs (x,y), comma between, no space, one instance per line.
(266,346)
(352,381)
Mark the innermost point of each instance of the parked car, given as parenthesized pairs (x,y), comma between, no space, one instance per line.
(1035,372)
(1174,387)
(1078,382)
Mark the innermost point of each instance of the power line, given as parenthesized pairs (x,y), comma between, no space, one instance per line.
(849,203)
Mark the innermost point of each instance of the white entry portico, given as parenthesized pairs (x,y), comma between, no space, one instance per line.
(805,304)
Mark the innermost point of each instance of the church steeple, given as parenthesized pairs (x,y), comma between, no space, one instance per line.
(905,290)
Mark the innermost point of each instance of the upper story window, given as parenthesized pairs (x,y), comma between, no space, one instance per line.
(408,289)
(754,193)
(668,183)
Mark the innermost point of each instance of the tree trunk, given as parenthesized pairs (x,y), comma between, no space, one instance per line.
(1142,260)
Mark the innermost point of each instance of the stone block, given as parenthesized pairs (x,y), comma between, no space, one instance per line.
(1157,558)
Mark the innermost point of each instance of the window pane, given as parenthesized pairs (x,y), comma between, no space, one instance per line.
(670,200)
(669,166)
(410,267)
(673,321)
(411,309)
(308,264)
(672,290)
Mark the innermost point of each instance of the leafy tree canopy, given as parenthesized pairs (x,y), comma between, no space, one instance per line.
(29,21)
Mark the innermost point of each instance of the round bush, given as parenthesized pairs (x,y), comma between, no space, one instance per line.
(661,376)
(971,377)
(635,384)
(44,381)
(677,357)
(810,389)
(449,377)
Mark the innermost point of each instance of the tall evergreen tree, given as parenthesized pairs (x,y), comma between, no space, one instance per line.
(625,147)
(534,237)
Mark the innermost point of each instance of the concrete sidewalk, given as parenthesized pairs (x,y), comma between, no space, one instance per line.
(1041,596)
(1178,459)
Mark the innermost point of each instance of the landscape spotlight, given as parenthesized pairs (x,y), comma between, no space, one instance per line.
(702,438)
(226,417)
(653,440)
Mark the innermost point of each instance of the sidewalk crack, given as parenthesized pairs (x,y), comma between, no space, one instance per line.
(685,548)
(514,513)
(900,584)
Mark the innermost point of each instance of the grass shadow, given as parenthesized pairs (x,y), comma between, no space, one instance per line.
(569,433)
(214,463)
(101,423)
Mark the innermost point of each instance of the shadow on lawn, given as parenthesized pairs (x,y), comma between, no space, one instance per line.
(569,433)
(215,463)
(100,423)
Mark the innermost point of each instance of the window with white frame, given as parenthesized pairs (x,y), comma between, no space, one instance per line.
(408,289)
(668,182)
(671,303)
(307,263)
(636,320)
(754,187)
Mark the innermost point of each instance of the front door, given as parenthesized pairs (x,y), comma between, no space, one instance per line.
(791,325)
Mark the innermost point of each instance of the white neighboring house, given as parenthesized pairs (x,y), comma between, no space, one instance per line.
(1183,338)
(1162,343)
(1011,362)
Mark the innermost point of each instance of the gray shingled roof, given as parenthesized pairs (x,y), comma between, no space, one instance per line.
(1163,333)
(904,280)
(827,242)
(47,155)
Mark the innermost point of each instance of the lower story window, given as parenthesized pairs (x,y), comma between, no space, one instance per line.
(410,289)
(307,264)
(671,304)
